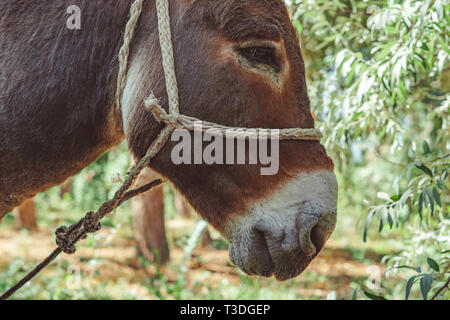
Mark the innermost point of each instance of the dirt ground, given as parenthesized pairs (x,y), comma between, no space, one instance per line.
(334,269)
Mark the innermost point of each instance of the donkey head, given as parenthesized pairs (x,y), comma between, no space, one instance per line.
(239,64)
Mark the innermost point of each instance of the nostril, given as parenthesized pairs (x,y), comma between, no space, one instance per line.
(315,225)
(317,238)
(305,235)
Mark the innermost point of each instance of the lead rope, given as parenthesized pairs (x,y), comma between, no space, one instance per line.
(68,237)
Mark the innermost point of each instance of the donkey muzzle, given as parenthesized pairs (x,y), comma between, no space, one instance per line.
(284,242)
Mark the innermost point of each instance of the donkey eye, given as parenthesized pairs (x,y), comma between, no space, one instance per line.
(262,55)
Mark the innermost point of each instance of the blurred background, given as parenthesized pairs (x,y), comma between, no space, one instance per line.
(378,79)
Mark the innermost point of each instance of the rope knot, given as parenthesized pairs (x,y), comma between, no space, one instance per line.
(160,114)
(65,238)
(152,104)
(173,119)
(91,224)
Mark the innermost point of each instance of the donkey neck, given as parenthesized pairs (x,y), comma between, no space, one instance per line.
(57,85)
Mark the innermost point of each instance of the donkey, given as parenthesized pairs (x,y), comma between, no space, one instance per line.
(238,63)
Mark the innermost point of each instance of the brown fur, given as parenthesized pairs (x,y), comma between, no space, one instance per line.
(55,92)
(56,101)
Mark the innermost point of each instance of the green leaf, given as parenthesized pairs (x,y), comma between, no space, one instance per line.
(425,285)
(351,75)
(426,148)
(380,228)
(341,57)
(384,196)
(367,225)
(444,176)
(355,294)
(421,198)
(385,51)
(433,264)
(424,169)
(372,296)
(391,220)
(409,285)
(405,197)
(409,172)
(437,197)
(401,267)
(431,199)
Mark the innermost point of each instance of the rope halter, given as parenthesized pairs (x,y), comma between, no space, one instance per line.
(173,119)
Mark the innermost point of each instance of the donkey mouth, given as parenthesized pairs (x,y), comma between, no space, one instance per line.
(282,234)
(269,257)
(267,248)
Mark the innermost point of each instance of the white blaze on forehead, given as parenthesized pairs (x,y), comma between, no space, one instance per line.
(279,212)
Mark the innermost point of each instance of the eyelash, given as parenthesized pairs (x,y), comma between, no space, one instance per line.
(264,55)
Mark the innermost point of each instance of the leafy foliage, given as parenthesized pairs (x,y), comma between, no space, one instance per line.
(379,84)
(92,186)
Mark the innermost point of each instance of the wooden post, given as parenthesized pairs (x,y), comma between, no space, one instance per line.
(148,221)
(25,215)
(185,210)
(182,207)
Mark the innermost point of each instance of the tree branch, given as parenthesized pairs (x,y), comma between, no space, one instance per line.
(445,286)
